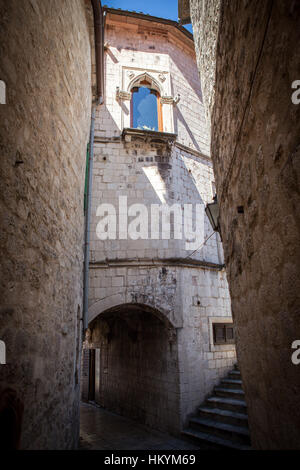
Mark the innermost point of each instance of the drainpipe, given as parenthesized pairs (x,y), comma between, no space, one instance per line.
(87,223)
(99,42)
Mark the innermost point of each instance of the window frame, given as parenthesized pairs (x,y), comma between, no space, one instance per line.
(225,326)
(158,103)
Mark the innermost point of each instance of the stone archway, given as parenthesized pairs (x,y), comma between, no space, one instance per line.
(137,367)
(169,311)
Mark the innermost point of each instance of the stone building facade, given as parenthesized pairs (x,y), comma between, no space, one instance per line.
(150,352)
(46,64)
(248,60)
(151,307)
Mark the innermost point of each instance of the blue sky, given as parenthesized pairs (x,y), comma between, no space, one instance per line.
(145,109)
(162,8)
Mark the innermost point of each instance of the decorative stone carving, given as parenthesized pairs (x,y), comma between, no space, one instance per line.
(123,95)
(162,77)
(167,100)
(130,74)
(170,99)
(88,335)
(172,335)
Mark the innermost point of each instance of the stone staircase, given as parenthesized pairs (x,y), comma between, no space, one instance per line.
(222,421)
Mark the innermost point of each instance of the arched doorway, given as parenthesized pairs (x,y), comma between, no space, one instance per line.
(131,361)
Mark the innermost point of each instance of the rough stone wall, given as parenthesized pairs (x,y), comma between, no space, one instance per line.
(205,19)
(149,170)
(46,64)
(255,150)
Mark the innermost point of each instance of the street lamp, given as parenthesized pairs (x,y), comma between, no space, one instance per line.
(212,212)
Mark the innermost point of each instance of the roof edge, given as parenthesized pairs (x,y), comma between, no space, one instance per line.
(154,19)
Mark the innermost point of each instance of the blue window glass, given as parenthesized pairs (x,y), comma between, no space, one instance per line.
(144,109)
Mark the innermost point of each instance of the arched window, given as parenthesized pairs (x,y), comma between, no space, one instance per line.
(145,109)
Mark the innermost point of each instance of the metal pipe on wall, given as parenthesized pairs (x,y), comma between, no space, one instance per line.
(99,52)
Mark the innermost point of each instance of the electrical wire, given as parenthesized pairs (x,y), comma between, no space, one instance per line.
(199,248)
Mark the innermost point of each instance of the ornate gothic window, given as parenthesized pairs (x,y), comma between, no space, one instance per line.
(145,109)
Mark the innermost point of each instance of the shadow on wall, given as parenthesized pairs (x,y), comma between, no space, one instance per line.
(11,417)
(111,55)
(105,125)
(178,116)
(137,366)
(163,178)
(196,198)
(195,85)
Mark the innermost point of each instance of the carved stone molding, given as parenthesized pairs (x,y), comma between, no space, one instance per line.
(167,100)
(123,95)
(147,136)
(170,99)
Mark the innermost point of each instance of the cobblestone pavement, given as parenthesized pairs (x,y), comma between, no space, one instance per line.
(102,430)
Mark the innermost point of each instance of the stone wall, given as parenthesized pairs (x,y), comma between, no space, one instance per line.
(189,299)
(46,64)
(150,173)
(205,19)
(255,151)
(168,55)
(159,168)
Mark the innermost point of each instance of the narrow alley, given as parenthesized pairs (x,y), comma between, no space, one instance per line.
(104,430)
(149,226)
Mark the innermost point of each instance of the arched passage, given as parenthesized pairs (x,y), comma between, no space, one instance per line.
(133,350)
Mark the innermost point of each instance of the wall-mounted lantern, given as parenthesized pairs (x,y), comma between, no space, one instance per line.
(212,212)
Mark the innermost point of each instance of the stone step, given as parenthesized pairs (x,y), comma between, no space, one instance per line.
(223,416)
(222,421)
(231,383)
(234,374)
(229,392)
(226,431)
(213,441)
(224,403)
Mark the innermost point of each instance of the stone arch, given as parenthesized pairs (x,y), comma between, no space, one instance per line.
(118,302)
(134,351)
(145,76)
